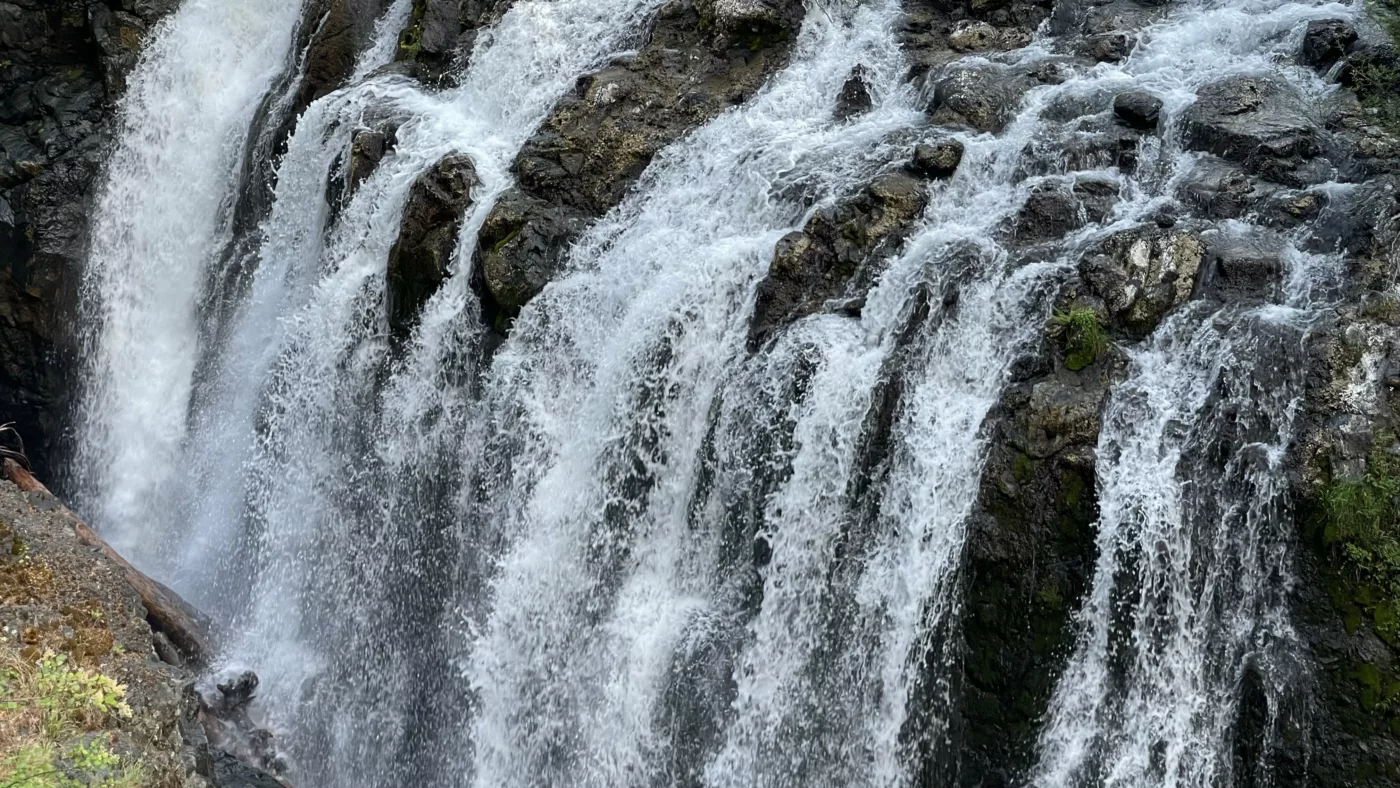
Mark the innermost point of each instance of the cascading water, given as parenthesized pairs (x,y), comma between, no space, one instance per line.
(624,550)
(160,218)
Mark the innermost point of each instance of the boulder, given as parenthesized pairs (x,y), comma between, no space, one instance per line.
(1141,275)
(973,36)
(1325,42)
(418,262)
(1240,267)
(520,249)
(367,149)
(1219,190)
(1049,212)
(1258,122)
(1137,109)
(984,97)
(854,98)
(939,159)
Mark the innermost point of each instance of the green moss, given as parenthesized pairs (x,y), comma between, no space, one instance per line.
(1023,467)
(501,244)
(1050,598)
(411,39)
(1362,527)
(1084,337)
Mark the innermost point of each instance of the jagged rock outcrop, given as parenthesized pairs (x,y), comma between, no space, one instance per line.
(441,34)
(699,58)
(817,263)
(418,262)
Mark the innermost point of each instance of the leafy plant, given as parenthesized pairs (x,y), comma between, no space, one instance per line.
(1085,337)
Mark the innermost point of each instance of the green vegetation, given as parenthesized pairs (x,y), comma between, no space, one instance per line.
(411,39)
(1376,79)
(1362,525)
(52,720)
(1085,337)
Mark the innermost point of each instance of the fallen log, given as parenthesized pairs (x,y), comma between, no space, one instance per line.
(188,629)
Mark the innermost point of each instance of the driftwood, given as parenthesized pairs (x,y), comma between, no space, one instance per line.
(188,629)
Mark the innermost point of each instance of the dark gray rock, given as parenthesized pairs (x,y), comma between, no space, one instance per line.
(1325,42)
(230,772)
(1240,267)
(938,159)
(419,259)
(984,97)
(1049,212)
(854,98)
(367,149)
(828,256)
(1106,47)
(1258,122)
(1219,190)
(1138,109)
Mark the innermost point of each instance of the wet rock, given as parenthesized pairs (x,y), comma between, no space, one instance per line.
(1221,191)
(827,257)
(1097,197)
(938,159)
(1240,267)
(1050,212)
(367,150)
(854,98)
(1138,109)
(330,53)
(1325,42)
(230,772)
(520,249)
(1106,47)
(442,34)
(1030,556)
(237,690)
(973,36)
(1141,275)
(983,97)
(698,60)
(1258,122)
(1092,143)
(419,259)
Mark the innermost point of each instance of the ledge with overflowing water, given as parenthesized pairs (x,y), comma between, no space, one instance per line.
(736,393)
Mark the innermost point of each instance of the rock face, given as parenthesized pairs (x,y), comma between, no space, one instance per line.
(418,261)
(442,34)
(65,62)
(817,263)
(699,58)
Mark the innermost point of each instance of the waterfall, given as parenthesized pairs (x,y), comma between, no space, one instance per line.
(161,216)
(620,549)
